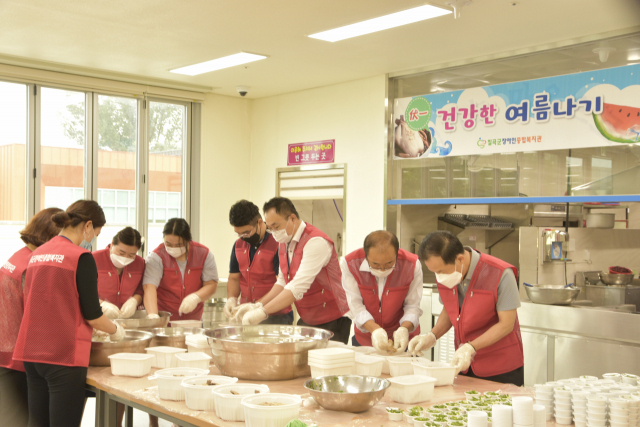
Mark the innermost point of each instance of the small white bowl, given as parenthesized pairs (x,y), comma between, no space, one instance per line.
(613,376)
(580,417)
(619,419)
(597,414)
(564,420)
(593,401)
(614,424)
(544,395)
(596,423)
(580,423)
(395,416)
(561,413)
(618,402)
(545,388)
(564,406)
(562,392)
(630,379)
(620,412)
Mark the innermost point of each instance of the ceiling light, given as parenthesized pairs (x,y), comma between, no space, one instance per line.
(381,23)
(633,56)
(218,64)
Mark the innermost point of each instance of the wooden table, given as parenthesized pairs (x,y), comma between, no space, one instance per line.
(142,394)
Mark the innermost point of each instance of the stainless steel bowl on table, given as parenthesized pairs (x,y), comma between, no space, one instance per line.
(134,342)
(139,320)
(265,352)
(172,337)
(347,393)
(552,295)
(610,279)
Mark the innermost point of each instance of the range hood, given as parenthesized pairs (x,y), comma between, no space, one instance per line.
(555,215)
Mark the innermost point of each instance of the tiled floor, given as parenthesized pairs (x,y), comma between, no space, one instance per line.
(140,419)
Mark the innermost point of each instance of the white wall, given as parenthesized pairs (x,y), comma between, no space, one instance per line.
(351,113)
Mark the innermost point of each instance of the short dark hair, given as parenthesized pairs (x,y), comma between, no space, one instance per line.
(380,237)
(243,213)
(178,227)
(78,212)
(128,236)
(41,228)
(283,206)
(442,244)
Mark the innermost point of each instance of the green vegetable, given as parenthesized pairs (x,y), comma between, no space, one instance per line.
(421,419)
(440,406)
(394,410)
(476,399)
(472,392)
(451,404)
(457,423)
(296,423)
(492,393)
(415,411)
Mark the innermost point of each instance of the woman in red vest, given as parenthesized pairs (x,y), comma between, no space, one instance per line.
(13,380)
(61,308)
(120,272)
(480,297)
(180,274)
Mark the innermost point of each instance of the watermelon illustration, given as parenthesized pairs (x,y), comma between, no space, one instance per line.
(619,123)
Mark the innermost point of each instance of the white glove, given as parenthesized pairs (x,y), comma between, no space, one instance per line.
(401,339)
(255,316)
(153,316)
(189,303)
(462,358)
(109,310)
(380,340)
(229,306)
(242,309)
(128,309)
(421,343)
(118,335)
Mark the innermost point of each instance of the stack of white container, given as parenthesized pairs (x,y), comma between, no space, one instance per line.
(544,397)
(502,416)
(331,361)
(619,412)
(539,416)
(634,408)
(579,400)
(477,419)
(563,405)
(522,411)
(596,411)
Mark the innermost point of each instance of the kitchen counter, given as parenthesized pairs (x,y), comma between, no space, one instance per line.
(142,394)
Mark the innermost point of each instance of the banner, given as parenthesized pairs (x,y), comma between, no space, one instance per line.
(590,109)
(310,153)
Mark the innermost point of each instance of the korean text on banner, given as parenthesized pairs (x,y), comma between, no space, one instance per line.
(309,153)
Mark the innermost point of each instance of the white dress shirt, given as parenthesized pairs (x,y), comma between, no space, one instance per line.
(411,306)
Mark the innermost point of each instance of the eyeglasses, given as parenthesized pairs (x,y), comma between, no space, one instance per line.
(381,268)
(278,227)
(248,233)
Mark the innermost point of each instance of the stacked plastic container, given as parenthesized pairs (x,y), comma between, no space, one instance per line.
(563,405)
(164,356)
(596,411)
(522,411)
(619,412)
(477,419)
(539,416)
(544,397)
(368,365)
(197,343)
(502,416)
(579,400)
(331,361)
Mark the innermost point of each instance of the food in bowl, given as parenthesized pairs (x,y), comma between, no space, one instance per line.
(270,404)
(394,410)
(415,411)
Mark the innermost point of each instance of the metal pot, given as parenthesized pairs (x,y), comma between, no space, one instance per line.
(600,220)
(139,320)
(347,393)
(172,337)
(134,342)
(552,295)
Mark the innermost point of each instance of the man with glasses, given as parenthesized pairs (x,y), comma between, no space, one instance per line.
(383,284)
(309,275)
(254,264)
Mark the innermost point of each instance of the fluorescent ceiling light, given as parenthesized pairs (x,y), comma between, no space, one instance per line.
(382,23)
(218,64)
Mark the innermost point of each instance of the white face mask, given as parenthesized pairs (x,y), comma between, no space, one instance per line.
(175,252)
(120,261)
(381,274)
(281,236)
(450,280)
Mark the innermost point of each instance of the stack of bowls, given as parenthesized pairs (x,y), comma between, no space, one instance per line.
(502,416)
(596,411)
(331,361)
(477,419)
(630,379)
(614,377)
(618,412)
(563,407)
(522,411)
(579,400)
(544,397)
(539,416)
(634,407)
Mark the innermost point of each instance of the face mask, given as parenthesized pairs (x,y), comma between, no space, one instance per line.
(85,244)
(254,239)
(120,261)
(175,252)
(450,280)
(381,274)
(281,236)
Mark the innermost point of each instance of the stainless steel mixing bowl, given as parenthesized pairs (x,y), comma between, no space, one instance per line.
(616,279)
(265,352)
(347,393)
(552,295)
(172,337)
(134,342)
(139,320)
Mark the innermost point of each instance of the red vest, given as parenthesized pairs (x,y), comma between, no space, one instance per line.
(479,313)
(325,300)
(115,288)
(53,330)
(173,288)
(12,306)
(257,277)
(387,311)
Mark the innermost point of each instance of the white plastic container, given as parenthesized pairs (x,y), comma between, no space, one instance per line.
(318,371)
(365,349)
(198,395)
(613,376)
(228,406)
(411,389)
(197,343)
(331,354)
(564,420)
(193,360)
(186,323)
(256,415)
(164,356)
(630,379)
(395,416)
(131,364)
(170,381)
(368,365)
(443,372)
(400,366)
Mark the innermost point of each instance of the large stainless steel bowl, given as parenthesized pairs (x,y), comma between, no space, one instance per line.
(172,337)
(134,342)
(139,320)
(265,352)
(616,279)
(347,393)
(552,295)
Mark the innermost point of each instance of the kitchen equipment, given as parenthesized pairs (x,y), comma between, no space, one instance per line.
(213,314)
(130,364)
(170,381)
(228,406)
(553,295)
(172,337)
(411,389)
(133,342)
(256,414)
(347,393)
(600,220)
(164,356)
(139,320)
(265,352)
(616,279)
(198,395)
(555,215)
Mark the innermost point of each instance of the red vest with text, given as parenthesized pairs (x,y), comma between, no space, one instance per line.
(325,300)
(116,288)
(479,313)
(12,306)
(387,311)
(257,277)
(53,330)
(173,288)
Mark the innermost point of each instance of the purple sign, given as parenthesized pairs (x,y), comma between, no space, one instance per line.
(309,153)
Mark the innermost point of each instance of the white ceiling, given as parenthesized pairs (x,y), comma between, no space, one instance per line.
(146,38)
